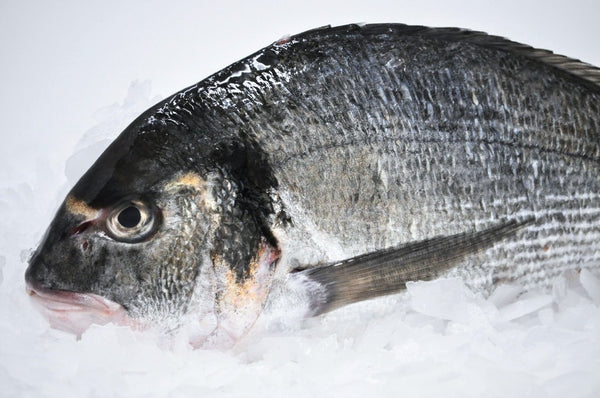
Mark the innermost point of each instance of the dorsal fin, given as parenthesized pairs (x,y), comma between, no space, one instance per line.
(575,67)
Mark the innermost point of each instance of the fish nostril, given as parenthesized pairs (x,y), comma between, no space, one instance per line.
(80,228)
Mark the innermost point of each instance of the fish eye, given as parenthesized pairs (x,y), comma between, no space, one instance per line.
(131,221)
(129,217)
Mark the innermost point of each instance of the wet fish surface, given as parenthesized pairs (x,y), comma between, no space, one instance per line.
(343,162)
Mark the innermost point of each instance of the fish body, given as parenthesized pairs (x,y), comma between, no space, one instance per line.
(351,159)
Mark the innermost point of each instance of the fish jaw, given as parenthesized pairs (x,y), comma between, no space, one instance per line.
(75,312)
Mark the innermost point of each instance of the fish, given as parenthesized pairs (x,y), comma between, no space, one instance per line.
(328,168)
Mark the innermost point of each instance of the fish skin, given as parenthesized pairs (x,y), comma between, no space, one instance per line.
(328,145)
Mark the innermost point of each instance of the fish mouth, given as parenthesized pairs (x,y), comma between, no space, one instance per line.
(75,312)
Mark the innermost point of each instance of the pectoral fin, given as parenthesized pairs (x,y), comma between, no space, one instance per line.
(387,271)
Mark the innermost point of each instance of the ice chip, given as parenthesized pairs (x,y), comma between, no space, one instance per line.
(447,299)
(546,316)
(524,306)
(564,284)
(505,294)
(591,284)
(81,160)
(568,290)
(138,93)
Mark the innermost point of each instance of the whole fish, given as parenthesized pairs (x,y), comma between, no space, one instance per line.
(333,166)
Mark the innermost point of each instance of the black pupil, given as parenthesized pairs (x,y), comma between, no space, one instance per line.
(129,217)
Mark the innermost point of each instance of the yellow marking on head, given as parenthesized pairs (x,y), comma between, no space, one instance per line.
(79,207)
(199,185)
(187,180)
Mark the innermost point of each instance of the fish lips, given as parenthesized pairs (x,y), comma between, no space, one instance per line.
(75,312)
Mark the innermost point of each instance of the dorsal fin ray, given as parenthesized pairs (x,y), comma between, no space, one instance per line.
(572,66)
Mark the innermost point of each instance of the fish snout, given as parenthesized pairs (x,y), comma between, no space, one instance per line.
(58,263)
(35,275)
(38,276)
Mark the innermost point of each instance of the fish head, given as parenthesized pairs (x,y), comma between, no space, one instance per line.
(150,237)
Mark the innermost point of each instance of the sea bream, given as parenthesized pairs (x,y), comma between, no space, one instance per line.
(334,165)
